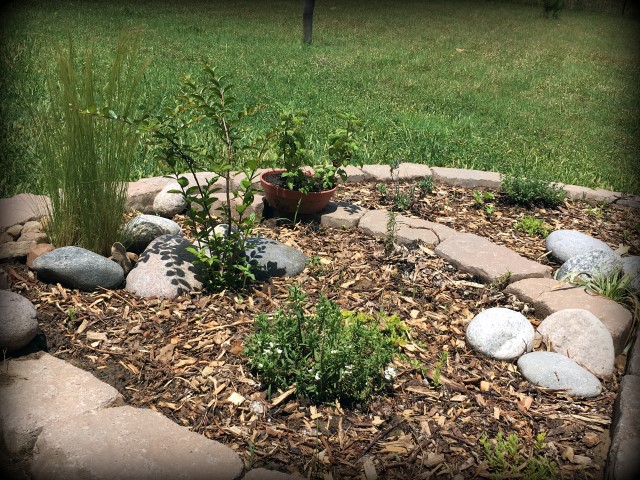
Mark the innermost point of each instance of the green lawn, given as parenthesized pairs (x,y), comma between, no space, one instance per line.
(486,85)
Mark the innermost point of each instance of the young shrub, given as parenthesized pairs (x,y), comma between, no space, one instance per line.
(327,354)
(531,191)
(85,162)
(229,145)
(425,184)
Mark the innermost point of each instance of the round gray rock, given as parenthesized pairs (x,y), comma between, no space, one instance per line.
(168,204)
(76,267)
(593,263)
(631,267)
(565,244)
(140,231)
(581,336)
(18,323)
(554,370)
(274,259)
(165,269)
(500,333)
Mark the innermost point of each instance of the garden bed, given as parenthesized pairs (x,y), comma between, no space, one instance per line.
(184,357)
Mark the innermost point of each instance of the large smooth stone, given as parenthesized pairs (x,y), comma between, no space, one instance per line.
(76,267)
(591,264)
(274,259)
(18,323)
(140,231)
(554,370)
(565,244)
(165,269)
(500,333)
(168,204)
(631,267)
(581,336)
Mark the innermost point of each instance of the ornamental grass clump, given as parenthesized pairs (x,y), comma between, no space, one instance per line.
(84,162)
(327,354)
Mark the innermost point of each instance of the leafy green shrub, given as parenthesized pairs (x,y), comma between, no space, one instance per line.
(86,162)
(506,458)
(532,226)
(530,191)
(327,354)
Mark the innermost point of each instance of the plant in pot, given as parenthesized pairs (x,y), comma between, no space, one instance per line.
(297,187)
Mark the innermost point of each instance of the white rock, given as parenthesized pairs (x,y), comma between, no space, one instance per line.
(631,267)
(565,244)
(581,336)
(591,264)
(168,204)
(500,333)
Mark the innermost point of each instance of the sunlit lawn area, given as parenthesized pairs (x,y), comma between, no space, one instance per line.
(486,85)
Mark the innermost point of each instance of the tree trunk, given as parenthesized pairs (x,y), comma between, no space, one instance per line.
(307,20)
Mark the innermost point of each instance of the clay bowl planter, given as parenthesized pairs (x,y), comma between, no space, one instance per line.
(287,200)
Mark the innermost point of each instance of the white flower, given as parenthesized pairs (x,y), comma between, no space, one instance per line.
(279,351)
(390,373)
(317,377)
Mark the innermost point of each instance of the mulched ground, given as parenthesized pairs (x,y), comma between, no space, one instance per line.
(184,357)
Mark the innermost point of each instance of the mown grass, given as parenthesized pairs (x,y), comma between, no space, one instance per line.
(487,85)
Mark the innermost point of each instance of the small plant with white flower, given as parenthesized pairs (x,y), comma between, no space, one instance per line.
(328,354)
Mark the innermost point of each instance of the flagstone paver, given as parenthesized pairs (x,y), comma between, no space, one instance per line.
(549,296)
(129,443)
(478,256)
(623,462)
(461,177)
(407,230)
(340,215)
(40,389)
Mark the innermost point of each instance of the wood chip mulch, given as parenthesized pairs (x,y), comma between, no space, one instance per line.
(184,357)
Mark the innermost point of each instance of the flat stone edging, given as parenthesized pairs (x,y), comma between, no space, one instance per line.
(622,459)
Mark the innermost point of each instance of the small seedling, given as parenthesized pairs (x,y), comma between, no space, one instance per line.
(425,184)
(437,371)
(532,226)
(382,189)
(482,197)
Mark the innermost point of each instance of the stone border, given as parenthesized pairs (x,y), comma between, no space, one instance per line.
(530,281)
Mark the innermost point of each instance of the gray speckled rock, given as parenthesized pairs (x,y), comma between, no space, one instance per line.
(554,370)
(168,204)
(631,267)
(565,244)
(18,323)
(165,269)
(140,231)
(581,336)
(274,259)
(76,267)
(500,333)
(593,263)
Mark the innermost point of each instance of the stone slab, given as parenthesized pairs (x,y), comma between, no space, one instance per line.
(633,362)
(478,256)
(623,461)
(129,443)
(21,208)
(340,215)
(462,177)
(38,390)
(407,229)
(549,296)
(354,175)
(405,171)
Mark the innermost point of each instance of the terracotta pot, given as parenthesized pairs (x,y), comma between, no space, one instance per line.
(287,200)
